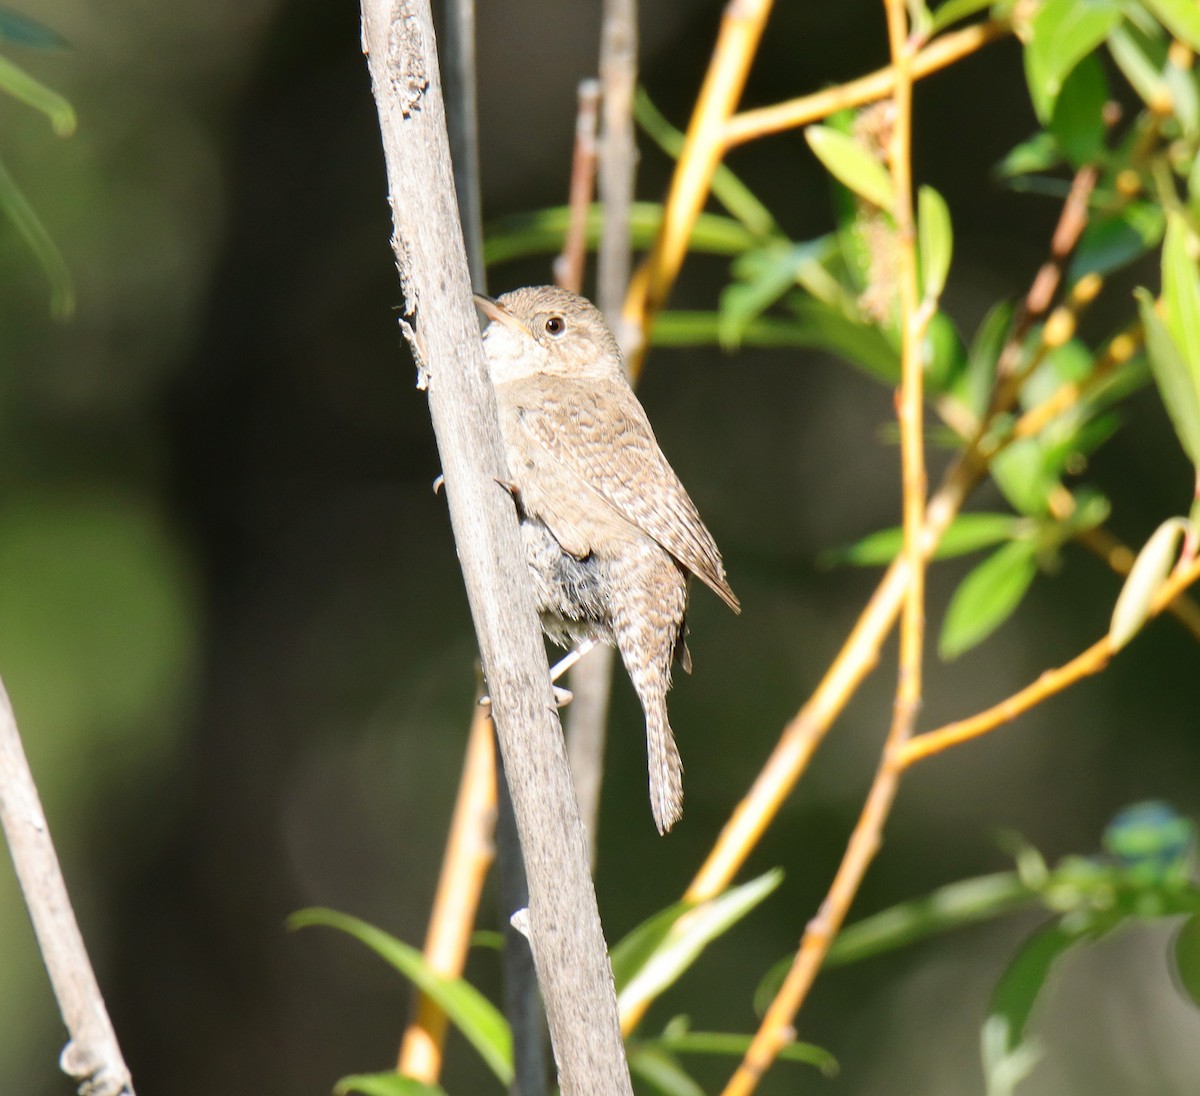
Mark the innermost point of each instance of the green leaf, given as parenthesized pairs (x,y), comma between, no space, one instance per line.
(13,203)
(987,597)
(1114,241)
(1016,993)
(1186,953)
(1180,17)
(655,954)
(967,533)
(1181,292)
(1173,377)
(1004,1065)
(1149,571)
(861,344)
(1078,119)
(936,241)
(658,1070)
(1063,32)
(950,907)
(732,1045)
(472,1013)
(1040,153)
(19,84)
(1132,58)
(954,10)
(737,198)
(23,31)
(975,386)
(541,232)
(852,165)
(944,355)
(1020,473)
(766,274)
(385,1084)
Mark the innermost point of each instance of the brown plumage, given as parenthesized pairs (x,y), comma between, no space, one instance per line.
(611,535)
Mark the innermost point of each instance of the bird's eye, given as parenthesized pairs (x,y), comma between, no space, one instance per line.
(555,326)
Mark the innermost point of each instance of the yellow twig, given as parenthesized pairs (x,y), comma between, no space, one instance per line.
(944,51)
(741,29)
(1091,661)
(469,855)
(776,1029)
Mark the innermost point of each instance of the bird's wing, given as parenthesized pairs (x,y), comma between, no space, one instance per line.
(609,435)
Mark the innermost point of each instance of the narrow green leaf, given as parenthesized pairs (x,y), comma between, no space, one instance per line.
(980,377)
(852,165)
(954,10)
(23,31)
(967,533)
(1186,953)
(1181,292)
(1114,241)
(660,1072)
(19,84)
(14,204)
(732,1045)
(690,933)
(472,1013)
(950,907)
(1063,32)
(1149,571)
(987,597)
(737,198)
(1078,118)
(1005,1065)
(385,1084)
(1173,377)
(541,232)
(1040,153)
(936,241)
(1139,69)
(762,277)
(1016,993)
(1020,473)
(1180,17)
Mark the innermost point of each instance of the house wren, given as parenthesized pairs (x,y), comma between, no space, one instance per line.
(610,534)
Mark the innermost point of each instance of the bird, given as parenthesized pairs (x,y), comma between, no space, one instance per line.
(611,536)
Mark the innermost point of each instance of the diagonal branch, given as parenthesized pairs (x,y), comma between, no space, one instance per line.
(93,1056)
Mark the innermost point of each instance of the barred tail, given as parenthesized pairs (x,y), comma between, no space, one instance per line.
(666,770)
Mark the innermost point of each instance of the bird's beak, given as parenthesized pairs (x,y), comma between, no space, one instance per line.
(493,310)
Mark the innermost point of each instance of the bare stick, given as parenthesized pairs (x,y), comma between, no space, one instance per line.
(568,266)
(462,109)
(564,923)
(92,1057)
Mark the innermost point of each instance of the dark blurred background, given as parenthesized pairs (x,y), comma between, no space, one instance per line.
(232,622)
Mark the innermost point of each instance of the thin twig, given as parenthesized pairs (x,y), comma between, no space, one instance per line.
(776,1029)
(462,117)
(741,29)
(469,855)
(93,1056)
(1091,661)
(591,680)
(568,266)
(942,52)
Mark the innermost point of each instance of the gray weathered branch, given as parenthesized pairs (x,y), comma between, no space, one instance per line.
(93,1056)
(568,944)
